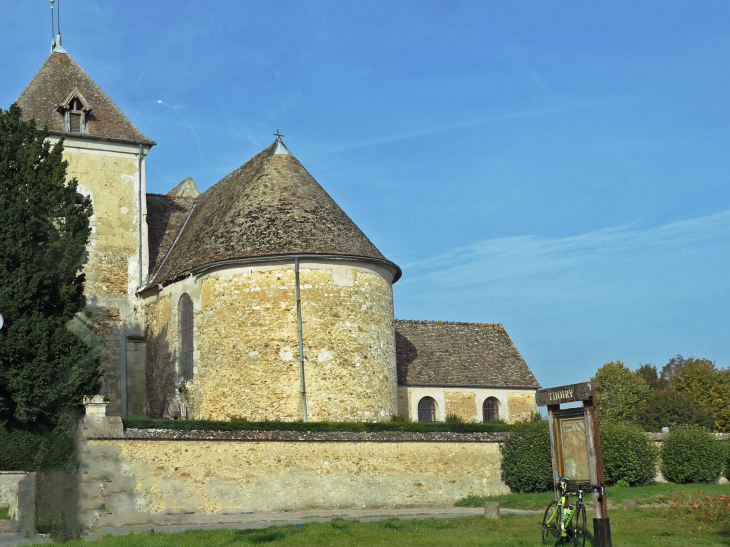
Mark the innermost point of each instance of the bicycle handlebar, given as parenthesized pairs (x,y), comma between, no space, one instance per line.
(581,485)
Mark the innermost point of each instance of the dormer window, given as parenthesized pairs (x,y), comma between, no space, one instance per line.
(75,111)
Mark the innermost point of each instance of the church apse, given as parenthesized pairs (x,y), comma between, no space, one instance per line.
(247,353)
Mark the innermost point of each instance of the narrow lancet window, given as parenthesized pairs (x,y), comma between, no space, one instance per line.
(185,312)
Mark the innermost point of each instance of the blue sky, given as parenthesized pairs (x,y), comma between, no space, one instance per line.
(559,167)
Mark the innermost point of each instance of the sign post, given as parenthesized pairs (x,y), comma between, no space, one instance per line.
(575,445)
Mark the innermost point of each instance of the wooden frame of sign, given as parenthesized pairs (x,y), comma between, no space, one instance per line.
(569,429)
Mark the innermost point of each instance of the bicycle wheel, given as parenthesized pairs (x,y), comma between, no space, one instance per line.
(551,524)
(578,527)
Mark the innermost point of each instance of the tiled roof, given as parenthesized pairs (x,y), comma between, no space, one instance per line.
(54,82)
(441,353)
(165,217)
(270,206)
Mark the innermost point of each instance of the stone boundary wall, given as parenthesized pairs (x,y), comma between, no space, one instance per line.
(17,493)
(160,477)
(311,436)
(9,491)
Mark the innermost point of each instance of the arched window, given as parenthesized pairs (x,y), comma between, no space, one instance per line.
(185,312)
(490,409)
(427,410)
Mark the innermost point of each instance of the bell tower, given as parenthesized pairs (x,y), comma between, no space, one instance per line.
(106,154)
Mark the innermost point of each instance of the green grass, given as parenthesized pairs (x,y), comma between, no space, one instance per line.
(3,513)
(643,527)
(650,494)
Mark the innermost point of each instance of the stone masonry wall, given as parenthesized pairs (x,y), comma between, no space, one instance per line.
(130,481)
(160,370)
(461,404)
(246,349)
(9,481)
(110,178)
(521,405)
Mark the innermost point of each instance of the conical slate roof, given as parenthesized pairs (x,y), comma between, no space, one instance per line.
(54,82)
(269,207)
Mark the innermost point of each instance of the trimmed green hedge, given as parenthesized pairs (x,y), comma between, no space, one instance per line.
(23,450)
(526,463)
(629,457)
(691,454)
(357,427)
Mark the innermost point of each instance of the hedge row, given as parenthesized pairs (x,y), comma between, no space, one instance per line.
(24,450)
(357,427)
(688,455)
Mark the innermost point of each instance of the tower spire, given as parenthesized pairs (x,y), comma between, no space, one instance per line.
(53,29)
(56,41)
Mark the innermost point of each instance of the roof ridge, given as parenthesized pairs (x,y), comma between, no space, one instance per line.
(169,196)
(440,322)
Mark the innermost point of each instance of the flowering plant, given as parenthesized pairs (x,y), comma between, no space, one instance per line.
(701,507)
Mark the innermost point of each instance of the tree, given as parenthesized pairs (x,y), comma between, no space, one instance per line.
(621,392)
(707,386)
(673,368)
(649,373)
(44,367)
(671,408)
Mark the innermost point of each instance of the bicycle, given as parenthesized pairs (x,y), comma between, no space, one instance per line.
(563,523)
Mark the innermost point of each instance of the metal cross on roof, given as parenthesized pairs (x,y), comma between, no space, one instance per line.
(277,134)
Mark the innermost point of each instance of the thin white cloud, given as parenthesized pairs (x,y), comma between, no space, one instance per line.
(508,258)
(415,133)
(274,69)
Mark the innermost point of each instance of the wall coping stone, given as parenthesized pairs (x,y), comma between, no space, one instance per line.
(659,437)
(297,436)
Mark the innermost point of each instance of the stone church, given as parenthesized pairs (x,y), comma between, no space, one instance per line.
(258,298)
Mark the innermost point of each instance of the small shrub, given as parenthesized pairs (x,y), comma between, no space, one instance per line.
(629,457)
(691,454)
(526,462)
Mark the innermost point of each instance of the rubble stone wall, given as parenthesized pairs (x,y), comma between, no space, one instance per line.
(521,405)
(128,481)
(109,174)
(246,349)
(160,369)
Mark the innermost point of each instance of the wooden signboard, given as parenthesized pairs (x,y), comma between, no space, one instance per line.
(563,394)
(575,444)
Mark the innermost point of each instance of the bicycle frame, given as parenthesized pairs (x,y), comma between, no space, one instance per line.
(564,512)
(564,508)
